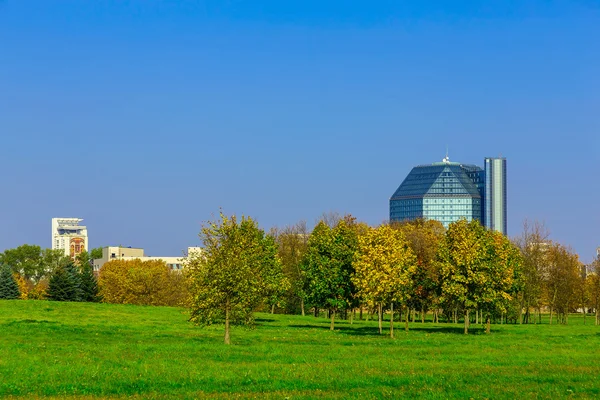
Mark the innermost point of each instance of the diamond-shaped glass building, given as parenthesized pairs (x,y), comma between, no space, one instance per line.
(447,191)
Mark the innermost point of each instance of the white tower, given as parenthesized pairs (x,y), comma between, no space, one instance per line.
(69,236)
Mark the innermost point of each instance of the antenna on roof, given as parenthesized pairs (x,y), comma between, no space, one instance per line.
(446,159)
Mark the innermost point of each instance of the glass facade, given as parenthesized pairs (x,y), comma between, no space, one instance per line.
(442,191)
(495,194)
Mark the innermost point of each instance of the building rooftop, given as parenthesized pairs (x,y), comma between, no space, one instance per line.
(439,179)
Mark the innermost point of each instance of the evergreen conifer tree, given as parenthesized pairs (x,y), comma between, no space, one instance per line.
(89,285)
(9,289)
(65,284)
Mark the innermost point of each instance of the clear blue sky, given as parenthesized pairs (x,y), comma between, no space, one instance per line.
(144,117)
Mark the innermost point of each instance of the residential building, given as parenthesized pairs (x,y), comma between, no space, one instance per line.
(69,236)
(448,191)
(110,253)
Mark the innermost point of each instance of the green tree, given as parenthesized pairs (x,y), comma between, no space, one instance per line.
(234,274)
(96,253)
(25,260)
(477,269)
(384,269)
(292,243)
(328,266)
(424,237)
(64,284)
(90,291)
(9,289)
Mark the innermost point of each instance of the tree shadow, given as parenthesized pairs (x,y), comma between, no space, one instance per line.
(345,329)
(263,320)
(448,329)
(351,330)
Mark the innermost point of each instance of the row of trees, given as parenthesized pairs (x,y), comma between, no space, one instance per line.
(33,267)
(554,279)
(404,269)
(67,282)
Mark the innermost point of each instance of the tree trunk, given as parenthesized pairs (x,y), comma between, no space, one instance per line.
(360,316)
(422,314)
(413,311)
(352,317)
(227,339)
(466,322)
(316,312)
(406,319)
(302,306)
(379,309)
(392,320)
(477,317)
(332,319)
(487,325)
(273,309)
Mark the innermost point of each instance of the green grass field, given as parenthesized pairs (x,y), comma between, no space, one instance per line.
(78,350)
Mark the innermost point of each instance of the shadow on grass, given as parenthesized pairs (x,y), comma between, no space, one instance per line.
(263,320)
(374,331)
(345,329)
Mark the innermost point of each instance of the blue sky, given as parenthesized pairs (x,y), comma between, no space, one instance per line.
(144,117)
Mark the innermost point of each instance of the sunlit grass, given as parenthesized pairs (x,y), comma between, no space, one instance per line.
(59,350)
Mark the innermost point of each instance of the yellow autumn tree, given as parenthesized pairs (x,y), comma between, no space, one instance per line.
(384,268)
(141,282)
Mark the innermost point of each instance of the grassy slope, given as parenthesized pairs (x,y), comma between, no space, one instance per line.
(50,349)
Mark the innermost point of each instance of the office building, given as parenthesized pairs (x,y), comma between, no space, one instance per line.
(111,253)
(69,236)
(448,191)
(495,194)
(444,191)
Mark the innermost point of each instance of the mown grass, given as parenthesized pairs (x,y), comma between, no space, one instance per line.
(75,350)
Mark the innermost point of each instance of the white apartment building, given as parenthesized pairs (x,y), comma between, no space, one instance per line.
(130,253)
(69,236)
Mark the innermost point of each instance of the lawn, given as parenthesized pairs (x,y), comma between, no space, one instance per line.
(78,350)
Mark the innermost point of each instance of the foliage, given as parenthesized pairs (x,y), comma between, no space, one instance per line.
(89,284)
(328,265)
(33,263)
(25,260)
(292,242)
(532,243)
(477,269)
(236,272)
(424,237)
(96,253)
(140,282)
(385,267)
(561,278)
(65,284)
(9,289)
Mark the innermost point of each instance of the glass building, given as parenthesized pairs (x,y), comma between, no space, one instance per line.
(447,191)
(495,194)
(444,191)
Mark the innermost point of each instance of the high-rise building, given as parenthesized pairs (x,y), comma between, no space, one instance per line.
(69,236)
(444,191)
(447,191)
(495,194)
